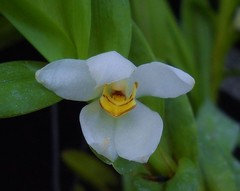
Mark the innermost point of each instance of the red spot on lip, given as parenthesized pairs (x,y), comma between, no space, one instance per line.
(118,93)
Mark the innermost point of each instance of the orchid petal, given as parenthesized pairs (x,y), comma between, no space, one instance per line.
(138,133)
(69,79)
(109,67)
(161,80)
(98,129)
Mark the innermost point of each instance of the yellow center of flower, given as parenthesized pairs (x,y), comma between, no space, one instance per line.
(114,99)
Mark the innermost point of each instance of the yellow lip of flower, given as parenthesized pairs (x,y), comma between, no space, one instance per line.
(115,102)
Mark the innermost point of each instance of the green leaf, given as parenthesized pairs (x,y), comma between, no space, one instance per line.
(127,181)
(217,136)
(181,125)
(224,38)
(111,27)
(216,127)
(140,183)
(198,27)
(186,177)
(45,24)
(236,169)
(123,166)
(140,51)
(91,170)
(217,172)
(77,15)
(20,93)
(159,26)
(147,185)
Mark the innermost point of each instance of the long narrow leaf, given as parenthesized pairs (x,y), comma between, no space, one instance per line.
(159,26)
(45,24)
(217,137)
(111,27)
(198,27)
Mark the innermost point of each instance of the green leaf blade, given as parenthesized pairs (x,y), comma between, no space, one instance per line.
(217,137)
(186,177)
(198,28)
(56,28)
(77,17)
(123,166)
(140,51)
(160,28)
(20,93)
(111,27)
(218,128)
(181,125)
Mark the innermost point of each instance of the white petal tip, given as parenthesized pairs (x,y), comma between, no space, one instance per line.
(189,83)
(187,79)
(69,79)
(37,73)
(192,83)
(161,80)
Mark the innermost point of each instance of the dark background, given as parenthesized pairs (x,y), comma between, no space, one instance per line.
(28,146)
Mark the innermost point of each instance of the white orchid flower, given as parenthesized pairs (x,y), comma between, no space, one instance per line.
(116,124)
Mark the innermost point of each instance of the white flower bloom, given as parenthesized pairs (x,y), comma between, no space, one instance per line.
(116,124)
